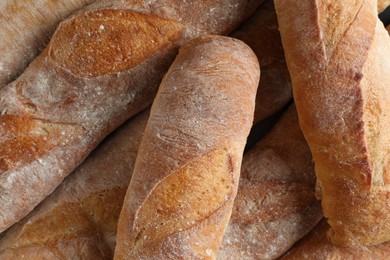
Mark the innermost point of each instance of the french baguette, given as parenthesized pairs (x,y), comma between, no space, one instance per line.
(275,205)
(102,66)
(187,169)
(316,246)
(261,33)
(337,54)
(79,219)
(26,27)
(388,29)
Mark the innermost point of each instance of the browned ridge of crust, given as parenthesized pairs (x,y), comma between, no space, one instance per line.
(102,66)
(186,174)
(261,33)
(275,205)
(79,219)
(110,41)
(382,5)
(26,28)
(316,246)
(342,98)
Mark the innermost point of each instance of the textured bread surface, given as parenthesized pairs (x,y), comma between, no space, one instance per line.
(261,33)
(343,102)
(102,66)
(26,27)
(79,219)
(186,174)
(316,246)
(275,204)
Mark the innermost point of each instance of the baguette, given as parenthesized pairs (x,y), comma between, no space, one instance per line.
(275,205)
(316,246)
(102,66)
(388,29)
(26,29)
(343,101)
(90,200)
(261,33)
(186,174)
(277,174)
(382,5)
(79,219)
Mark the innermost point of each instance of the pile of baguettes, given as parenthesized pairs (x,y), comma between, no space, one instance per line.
(172,182)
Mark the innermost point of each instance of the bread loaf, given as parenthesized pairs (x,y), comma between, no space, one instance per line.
(261,33)
(382,5)
(26,27)
(275,205)
(388,28)
(337,54)
(316,246)
(102,66)
(79,219)
(186,174)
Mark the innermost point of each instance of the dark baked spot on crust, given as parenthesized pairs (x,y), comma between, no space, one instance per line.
(358,76)
(3,165)
(108,41)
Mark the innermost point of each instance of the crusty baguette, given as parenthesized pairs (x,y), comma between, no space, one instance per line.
(337,53)
(388,29)
(26,27)
(101,67)
(261,33)
(78,220)
(186,174)
(316,246)
(382,5)
(275,205)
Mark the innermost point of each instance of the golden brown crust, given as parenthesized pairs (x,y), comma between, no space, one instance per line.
(382,5)
(18,148)
(109,41)
(80,218)
(342,103)
(275,205)
(316,246)
(26,29)
(53,90)
(199,120)
(261,33)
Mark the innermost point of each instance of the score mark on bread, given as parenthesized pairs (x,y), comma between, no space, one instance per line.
(24,139)
(108,41)
(208,178)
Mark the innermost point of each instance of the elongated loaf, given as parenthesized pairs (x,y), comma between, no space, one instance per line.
(382,5)
(102,66)
(79,219)
(261,33)
(26,28)
(388,28)
(186,174)
(275,205)
(316,246)
(337,53)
